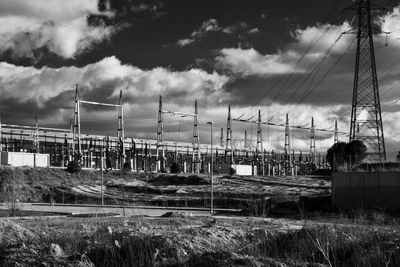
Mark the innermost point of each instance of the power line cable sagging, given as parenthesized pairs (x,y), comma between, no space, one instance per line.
(284,79)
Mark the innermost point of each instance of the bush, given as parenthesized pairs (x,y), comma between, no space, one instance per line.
(175,168)
(127,167)
(232,171)
(74,166)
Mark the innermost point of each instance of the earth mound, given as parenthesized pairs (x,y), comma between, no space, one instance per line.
(179,180)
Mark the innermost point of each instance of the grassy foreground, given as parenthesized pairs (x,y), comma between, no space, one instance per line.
(192,241)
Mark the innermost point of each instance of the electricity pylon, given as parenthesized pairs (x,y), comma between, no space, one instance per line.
(121,133)
(228,144)
(366,117)
(160,136)
(196,150)
(288,158)
(312,142)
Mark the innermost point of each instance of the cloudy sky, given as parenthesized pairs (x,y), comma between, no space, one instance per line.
(286,56)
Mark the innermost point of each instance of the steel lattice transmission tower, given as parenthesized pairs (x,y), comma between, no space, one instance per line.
(196,142)
(160,137)
(259,147)
(366,118)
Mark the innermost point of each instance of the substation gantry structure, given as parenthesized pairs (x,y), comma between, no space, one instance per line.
(287,163)
(76,131)
(196,155)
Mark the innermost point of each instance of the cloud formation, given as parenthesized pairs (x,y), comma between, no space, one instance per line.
(50,91)
(246,62)
(210,25)
(60,26)
(249,62)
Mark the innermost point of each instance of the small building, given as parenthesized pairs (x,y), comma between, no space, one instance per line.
(240,169)
(19,159)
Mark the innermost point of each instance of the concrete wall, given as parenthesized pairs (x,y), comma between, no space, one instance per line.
(366,190)
(19,159)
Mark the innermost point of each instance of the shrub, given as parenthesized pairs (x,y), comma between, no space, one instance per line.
(14,192)
(74,166)
(175,168)
(232,171)
(127,166)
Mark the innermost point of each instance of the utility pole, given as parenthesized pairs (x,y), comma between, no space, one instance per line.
(336,136)
(259,148)
(196,151)
(288,160)
(221,141)
(1,136)
(101,171)
(366,118)
(228,145)
(36,142)
(312,142)
(259,135)
(212,169)
(76,133)
(160,135)
(120,133)
(245,139)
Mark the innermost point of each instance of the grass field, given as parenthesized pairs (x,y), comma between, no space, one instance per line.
(313,238)
(198,241)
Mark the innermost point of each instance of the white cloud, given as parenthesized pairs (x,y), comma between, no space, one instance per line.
(250,62)
(104,79)
(184,42)
(331,34)
(55,10)
(390,22)
(236,27)
(254,31)
(208,26)
(59,25)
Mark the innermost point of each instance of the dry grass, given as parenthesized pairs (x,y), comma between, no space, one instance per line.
(198,242)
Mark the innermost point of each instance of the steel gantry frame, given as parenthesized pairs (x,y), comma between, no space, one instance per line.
(76,133)
(196,138)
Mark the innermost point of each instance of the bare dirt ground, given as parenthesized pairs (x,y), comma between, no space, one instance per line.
(46,185)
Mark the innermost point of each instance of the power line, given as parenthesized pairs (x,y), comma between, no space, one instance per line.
(311,46)
(306,94)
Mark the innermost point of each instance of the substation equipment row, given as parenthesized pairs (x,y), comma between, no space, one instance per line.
(65,145)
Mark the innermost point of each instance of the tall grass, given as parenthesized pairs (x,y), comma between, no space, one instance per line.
(158,242)
(330,246)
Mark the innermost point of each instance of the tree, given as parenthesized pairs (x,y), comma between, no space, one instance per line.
(356,151)
(74,166)
(336,154)
(341,153)
(175,168)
